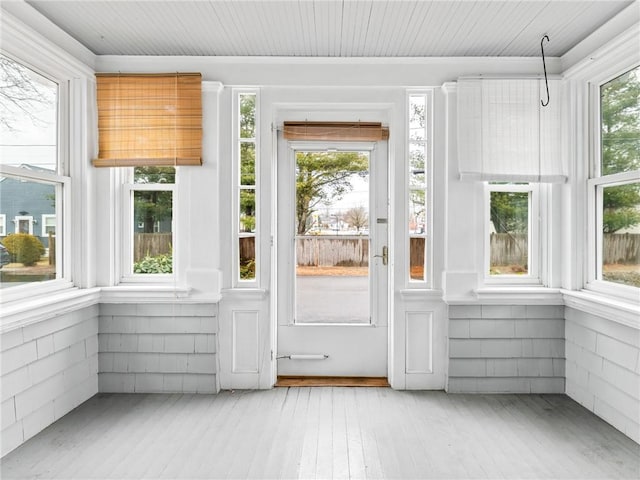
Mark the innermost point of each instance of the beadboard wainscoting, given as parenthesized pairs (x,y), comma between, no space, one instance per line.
(48,368)
(603,369)
(158,348)
(506,349)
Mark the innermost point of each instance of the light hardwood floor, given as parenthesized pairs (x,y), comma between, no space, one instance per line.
(327,432)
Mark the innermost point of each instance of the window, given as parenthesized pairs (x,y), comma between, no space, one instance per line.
(614,188)
(48,225)
(511,253)
(32,181)
(419,149)
(149,240)
(246,187)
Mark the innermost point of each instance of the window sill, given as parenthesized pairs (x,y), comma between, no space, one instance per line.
(617,310)
(147,294)
(512,295)
(24,312)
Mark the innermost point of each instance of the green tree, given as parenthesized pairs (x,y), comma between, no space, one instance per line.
(153,206)
(324,176)
(620,119)
(510,211)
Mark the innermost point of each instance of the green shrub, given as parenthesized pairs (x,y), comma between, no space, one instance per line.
(158,264)
(24,248)
(248,270)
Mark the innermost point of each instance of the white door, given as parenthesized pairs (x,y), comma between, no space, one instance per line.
(332,272)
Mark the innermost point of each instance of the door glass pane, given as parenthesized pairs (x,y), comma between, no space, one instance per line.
(332,237)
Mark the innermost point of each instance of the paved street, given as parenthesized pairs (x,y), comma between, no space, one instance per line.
(332,299)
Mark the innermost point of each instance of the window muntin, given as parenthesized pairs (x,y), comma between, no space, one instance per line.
(512,235)
(150,233)
(615,188)
(246,188)
(32,186)
(418,208)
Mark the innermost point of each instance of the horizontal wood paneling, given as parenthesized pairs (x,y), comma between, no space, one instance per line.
(603,369)
(48,368)
(158,348)
(506,348)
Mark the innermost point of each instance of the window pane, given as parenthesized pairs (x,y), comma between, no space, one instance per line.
(416,258)
(332,237)
(620,120)
(509,241)
(154,175)
(247,251)
(247,210)
(416,164)
(248,116)
(247,163)
(621,234)
(152,237)
(28,118)
(417,117)
(27,254)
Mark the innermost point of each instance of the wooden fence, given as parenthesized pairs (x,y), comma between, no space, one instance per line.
(333,250)
(621,248)
(353,250)
(151,244)
(511,249)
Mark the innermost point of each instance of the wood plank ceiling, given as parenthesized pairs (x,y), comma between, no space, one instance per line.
(328,28)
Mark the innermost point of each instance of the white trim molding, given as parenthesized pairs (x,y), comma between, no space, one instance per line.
(613,309)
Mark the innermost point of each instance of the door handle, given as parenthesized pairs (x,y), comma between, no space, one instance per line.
(384,256)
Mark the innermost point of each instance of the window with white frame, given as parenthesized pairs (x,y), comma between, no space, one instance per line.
(246,241)
(33,173)
(48,225)
(614,186)
(419,136)
(512,235)
(149,236)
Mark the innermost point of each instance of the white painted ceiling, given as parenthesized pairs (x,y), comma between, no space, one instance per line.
(329,28)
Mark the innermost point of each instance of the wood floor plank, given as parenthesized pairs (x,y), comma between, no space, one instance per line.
(309,453)
(326,432)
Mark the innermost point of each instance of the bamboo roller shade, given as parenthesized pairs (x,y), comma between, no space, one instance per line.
(149,119)
(347,131)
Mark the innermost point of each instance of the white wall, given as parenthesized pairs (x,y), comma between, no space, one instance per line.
(48,368)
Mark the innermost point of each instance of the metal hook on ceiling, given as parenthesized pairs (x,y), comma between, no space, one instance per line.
(544,65)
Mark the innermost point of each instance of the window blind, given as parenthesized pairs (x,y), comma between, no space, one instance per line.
(505,135)
(346,131)
(149,119)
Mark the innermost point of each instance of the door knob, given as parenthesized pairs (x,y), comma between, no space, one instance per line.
(384,256)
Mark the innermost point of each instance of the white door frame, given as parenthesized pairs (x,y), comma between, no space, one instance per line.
(337,340)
